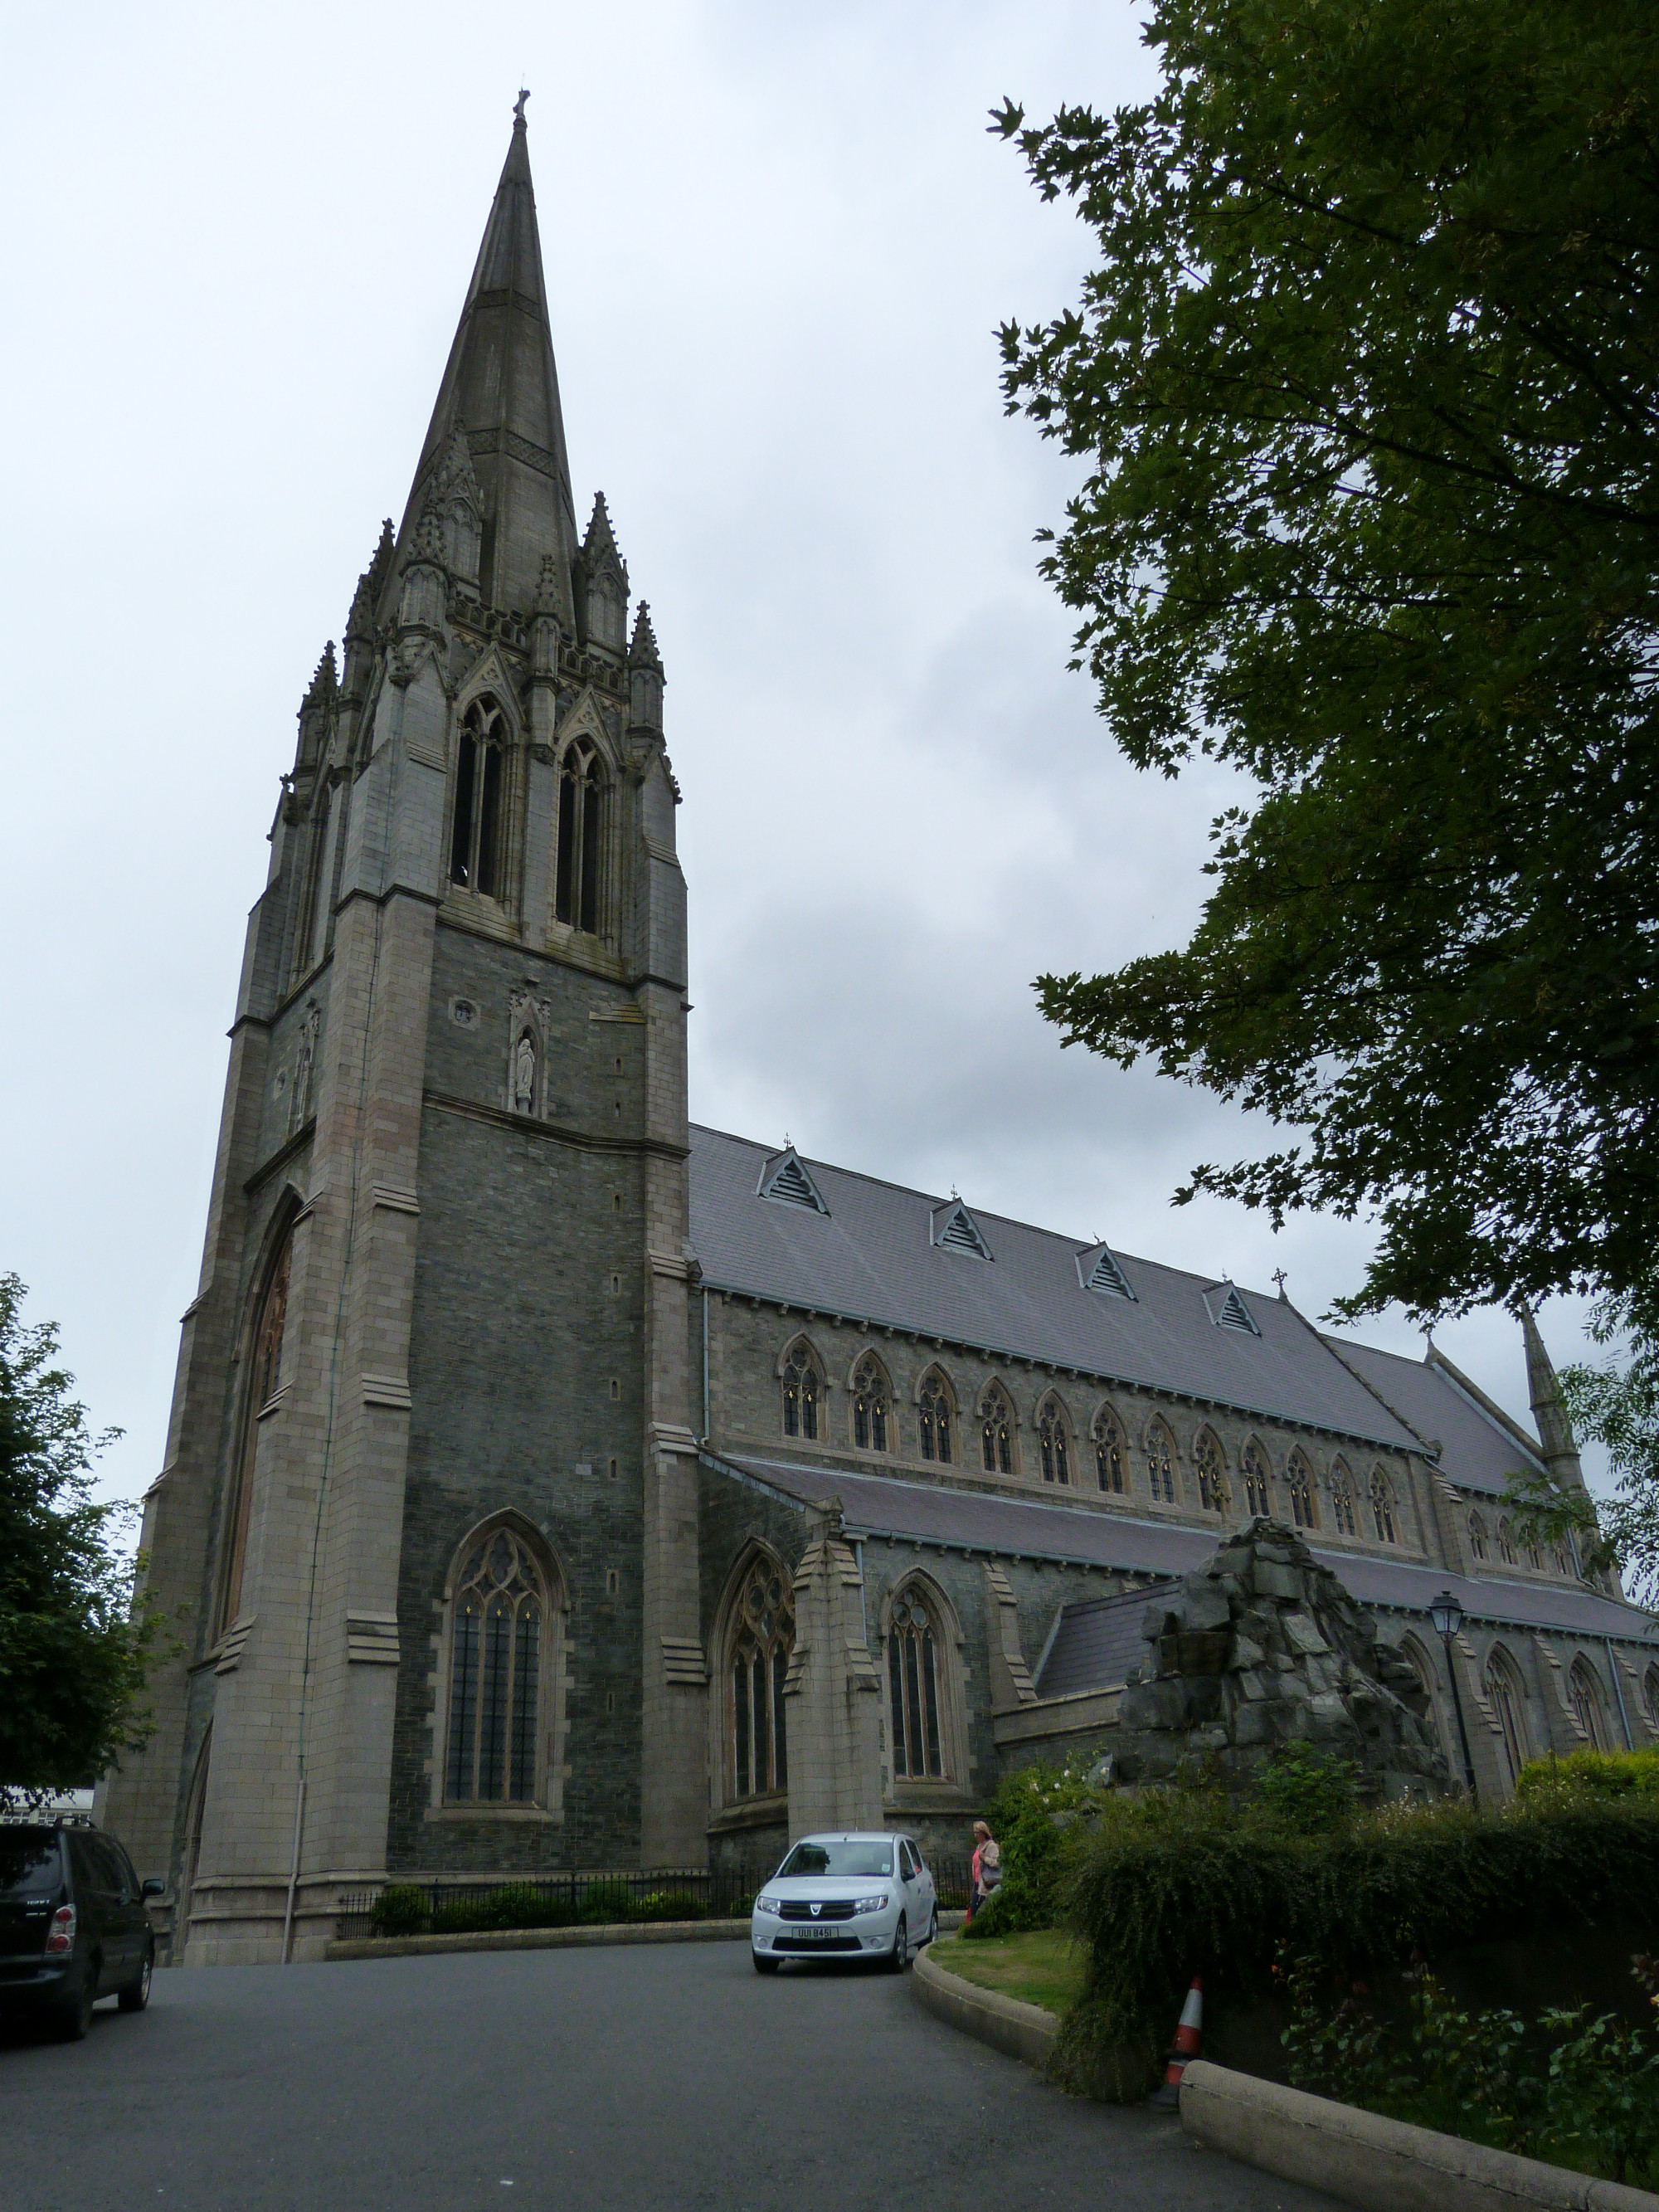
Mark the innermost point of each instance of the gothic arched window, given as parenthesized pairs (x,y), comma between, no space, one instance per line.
(1477,1536)
(264,1373)
(1585,1692)
(476,834)
(498,1634)
(1212,1473)
(763,1635)
(872,1405)
(1507,1700)
(1651,1698)
(1382,1512)
(1253,1465)
(996,1429)
(576,880)
(1160,1464)
(1299,1481)
(1110,1454)
(1051,1442)
(1342,1513)
(914,1689)
(1506,1544)
(803,1390)
(935,1412)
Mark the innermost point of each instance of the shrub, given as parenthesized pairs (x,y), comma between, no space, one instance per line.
(515,1904)
(402,1910)
(670,1904)
(1598,1773)
(1034,1819)
(1309,1792)
(1173,1884)
(606,1903)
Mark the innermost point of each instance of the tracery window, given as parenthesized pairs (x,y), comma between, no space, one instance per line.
(762,1637)
(935,1412)
(1052,1443)
(497,1625)
(996,1424)
(1111,1454)
(1651,1698)
(264,1373)
(1585,1692)
(872,1405)
(914,1689)
(1383,1513)
(1534,1556)
(1506,1544)
(1299,1481)
(476,834)
(1477,1536)
(1210,1469)
(1253,1465)
(576,877)
(1342,1511)
(1504,1696)
(803,1389)
(1160,1464)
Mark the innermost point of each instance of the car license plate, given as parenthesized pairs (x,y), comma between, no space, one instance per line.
(821,1933)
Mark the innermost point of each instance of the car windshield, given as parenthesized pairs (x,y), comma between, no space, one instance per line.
(865,1855)
(28,1862)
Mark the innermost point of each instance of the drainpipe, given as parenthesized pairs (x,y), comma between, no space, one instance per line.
(705,1363)
(1618,1692)
(294,1871)
(864,1617)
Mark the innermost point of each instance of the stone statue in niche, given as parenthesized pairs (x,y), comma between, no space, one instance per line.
(300,1104)
(524,1075)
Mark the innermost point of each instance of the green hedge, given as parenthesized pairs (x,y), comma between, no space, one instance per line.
(403,1910)
(1602,1773)
(1176,1884)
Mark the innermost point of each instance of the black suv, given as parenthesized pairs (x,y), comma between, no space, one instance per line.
(73,1926)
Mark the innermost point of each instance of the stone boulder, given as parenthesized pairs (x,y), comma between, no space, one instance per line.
(1262,1646)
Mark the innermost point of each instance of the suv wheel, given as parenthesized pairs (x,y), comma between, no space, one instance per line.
(136,1996)
(899,1957)
(73,2009)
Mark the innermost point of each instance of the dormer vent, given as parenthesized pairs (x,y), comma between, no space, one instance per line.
(1098,1270)
(789,1184)
(1233,1313)
(955,1228)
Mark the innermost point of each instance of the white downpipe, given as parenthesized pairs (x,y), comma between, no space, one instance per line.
(294,1872)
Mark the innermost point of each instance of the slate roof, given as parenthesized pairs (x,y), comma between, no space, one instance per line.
(1096,1642)
(1013,1528)
(1476,1451)
(872,1257)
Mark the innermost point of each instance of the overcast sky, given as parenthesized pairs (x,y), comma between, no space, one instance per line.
(779,242)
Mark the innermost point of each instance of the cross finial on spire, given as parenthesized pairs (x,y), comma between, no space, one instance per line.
(517,108)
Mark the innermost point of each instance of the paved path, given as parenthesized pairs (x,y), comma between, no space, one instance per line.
(668,2077)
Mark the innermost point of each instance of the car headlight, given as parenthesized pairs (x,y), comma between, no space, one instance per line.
(772,1905)
(871,1903)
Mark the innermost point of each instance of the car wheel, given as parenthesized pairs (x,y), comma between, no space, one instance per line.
(73,2011)
(899,1957)
(136,1996)
(765,1966)
(933,1927)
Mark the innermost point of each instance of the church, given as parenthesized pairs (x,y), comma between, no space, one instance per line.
(554,1484)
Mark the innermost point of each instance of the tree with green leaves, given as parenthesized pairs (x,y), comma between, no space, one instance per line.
(1366,381)
(73,1651)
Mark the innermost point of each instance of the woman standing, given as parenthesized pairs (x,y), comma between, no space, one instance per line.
(985,1869)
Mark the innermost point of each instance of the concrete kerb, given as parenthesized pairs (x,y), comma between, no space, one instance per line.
(542,1939)
(1007,2024)
(1377,2164)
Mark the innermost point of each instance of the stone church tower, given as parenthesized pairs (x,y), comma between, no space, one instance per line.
(440,1337)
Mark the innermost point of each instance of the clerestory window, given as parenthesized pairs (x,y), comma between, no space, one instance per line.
(1052,1444)
(996,1423)
(1160,1464)
(872,1405)
(1383,1511)
(1342,1512)
(1109,1454)
(475,832)
(1299,1481)
(576,895)
(934,1408)
(1210,1469)
(1258,1498)
(803,1390)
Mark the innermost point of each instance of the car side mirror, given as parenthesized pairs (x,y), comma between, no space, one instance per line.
(154,1888)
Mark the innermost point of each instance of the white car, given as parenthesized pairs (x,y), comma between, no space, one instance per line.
(834,1896)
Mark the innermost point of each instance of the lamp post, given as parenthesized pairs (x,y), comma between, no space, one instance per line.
(1446,1615)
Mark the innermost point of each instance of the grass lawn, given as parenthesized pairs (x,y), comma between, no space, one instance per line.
(1042,1968)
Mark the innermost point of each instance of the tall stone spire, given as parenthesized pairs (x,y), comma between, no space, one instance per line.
(1548,1413)
(501,389)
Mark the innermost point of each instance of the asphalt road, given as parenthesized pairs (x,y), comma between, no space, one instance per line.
(665,2076)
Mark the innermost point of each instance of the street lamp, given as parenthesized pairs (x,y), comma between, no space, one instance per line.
(1446,1615)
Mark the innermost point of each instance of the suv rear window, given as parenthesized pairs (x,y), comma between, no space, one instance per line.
(29,1862)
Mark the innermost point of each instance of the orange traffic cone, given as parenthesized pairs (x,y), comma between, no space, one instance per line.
(1189,2041)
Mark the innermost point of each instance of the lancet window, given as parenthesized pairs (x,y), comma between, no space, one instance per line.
(498,1635)
(914,1689)
(1507,1701)
(1299,1481)
(1160,1464)
(577,878)
(1585,1692)
(1052,1443)
(1651,1698)
(1342,1512)
(936,1415)
(1111,1454)
(996,1427)
(1506,1544)
(802,1394)
(763,1635)
(1477,1536)
(1383,1517)
(474,858)
(872,1405)
(264,1373)
(1253,1465)
(1212,1473)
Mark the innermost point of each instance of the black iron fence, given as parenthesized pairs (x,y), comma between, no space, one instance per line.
(568,1900)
